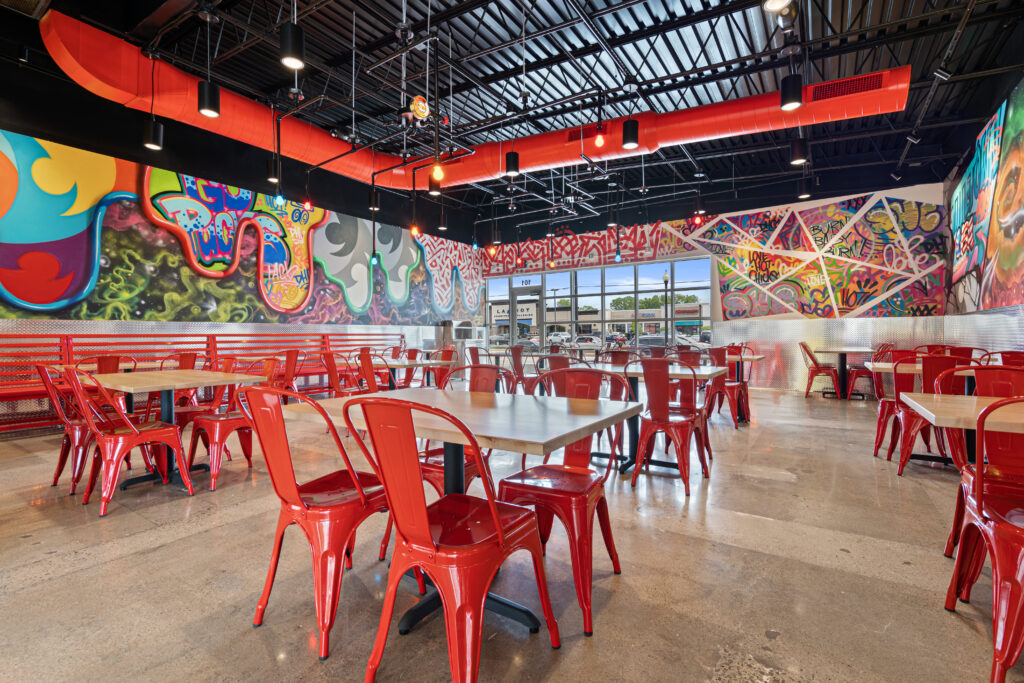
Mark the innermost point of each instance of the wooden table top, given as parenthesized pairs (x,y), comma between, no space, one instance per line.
(703,372)
(513,422)
(961,412)
(844,349)
(166,380)
(905,368)
(405,363)
(745,359)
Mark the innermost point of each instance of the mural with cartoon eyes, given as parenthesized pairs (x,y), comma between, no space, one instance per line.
(342,248)
(52,202)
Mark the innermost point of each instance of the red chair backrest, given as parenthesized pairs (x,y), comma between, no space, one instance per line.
(108,363)
(555,348)
(689,357)
(334,378)
(882,355)
(739,350)
(809,357)
(657,351)
(293,358)
(186,360)
(395,458)
(474,354)
(659,392)
(996,380)
(932,365)
(47,374)
(368,373)
(91,408)
(224,364)
(933,348)
(999,453)
(265,415)
(265,367)
(617,356)
(483,378)
(583,383)
(516,354)
(1013,358)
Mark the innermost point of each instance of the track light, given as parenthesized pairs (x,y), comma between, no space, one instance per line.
(273,170)
(791,92)
(153,135)
(374,200)
(798,151)
(293,46)
(209,99)
(803,189)
(774,6)
(435,186)
(511,164)
(630,134)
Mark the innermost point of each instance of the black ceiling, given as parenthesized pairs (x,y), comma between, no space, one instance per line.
(684,53)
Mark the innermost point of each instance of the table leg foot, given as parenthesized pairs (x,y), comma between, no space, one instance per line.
(495,603)
(154,476)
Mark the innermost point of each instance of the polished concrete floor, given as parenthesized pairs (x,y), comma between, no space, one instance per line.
(801,558)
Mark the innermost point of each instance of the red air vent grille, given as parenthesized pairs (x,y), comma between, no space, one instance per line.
(850,86)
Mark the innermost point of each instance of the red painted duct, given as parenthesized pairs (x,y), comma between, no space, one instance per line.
(118,71)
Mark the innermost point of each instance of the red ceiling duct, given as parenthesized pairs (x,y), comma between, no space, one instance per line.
(118,71)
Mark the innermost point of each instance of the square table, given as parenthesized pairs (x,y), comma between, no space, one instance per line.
(167,382)
(396,364)
(511,422)
(841,352)
(961,412)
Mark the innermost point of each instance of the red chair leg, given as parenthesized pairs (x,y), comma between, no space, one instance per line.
(327,544)
(885,413)
(894,438)
(387,539)
(463,620)
(65,448)
(681,444)
(533,546)
(911,425)
(79,456)
(283,522)
(606,531)
(545,520)
(112,458)
(1007,609)
(245,438)
(646,436)
(216,454)
(958,522)
(810,381)
(395,574)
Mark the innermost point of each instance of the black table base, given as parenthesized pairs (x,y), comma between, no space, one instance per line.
(166,415)
(455,482)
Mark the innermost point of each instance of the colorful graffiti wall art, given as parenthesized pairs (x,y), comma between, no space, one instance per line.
(863,256)
(84,236)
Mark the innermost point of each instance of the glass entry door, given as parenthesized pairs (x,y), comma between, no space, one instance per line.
(526,314)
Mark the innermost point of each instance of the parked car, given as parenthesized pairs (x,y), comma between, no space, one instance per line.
(559,338)
(649,340)
(615,338)
(530,344)
(587,340)
(499,340)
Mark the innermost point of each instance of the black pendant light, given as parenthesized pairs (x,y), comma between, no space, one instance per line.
(442,224)
(209,93)
(791,92)
(293,46)
(273,170)
(699,210)
(630,134)
(512,164)
(374,200)
(803,189)
(434,188)
(798,151)
(153,133)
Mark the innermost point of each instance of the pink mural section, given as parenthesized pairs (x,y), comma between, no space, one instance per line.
(869,255)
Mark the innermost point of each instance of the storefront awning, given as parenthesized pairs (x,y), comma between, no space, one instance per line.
(521,321)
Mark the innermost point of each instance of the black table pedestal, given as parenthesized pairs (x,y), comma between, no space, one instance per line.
(166,415)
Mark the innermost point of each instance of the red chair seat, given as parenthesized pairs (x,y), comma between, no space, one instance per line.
(564,478)
(337,488)
(459,520)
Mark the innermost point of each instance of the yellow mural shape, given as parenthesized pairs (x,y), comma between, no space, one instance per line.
(92,174)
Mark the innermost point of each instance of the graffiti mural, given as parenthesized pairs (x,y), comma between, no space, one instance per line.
(868,255)
(83,236)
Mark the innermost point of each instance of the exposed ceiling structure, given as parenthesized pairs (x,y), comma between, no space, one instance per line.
(507,69)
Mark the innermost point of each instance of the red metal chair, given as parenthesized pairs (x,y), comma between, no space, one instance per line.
(459,541)
(908,423)
(484,379)
(288,370)
(439,372)
(689,357)
(1011,358)
(108,363)
(993,380)
(474,354)
(967,352)
(993,525)
(572,491)
(515,354)
(328,509)
(816,369)
(77,437)
(341,378)
(886,405)
(678,424)
(855,372)
(188,413)
(370,372)
(215,428)
(555,348)
(116,435)
(933,349)
(657,351)
(407,379)
(732,386)
(617,356)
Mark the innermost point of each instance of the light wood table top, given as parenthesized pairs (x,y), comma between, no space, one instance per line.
(744,359)
(961,412)
(513,422)
(703,372)
(167,380)
(844,349)
(406,364)
(905,368)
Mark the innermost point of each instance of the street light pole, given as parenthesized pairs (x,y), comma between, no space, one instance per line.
(667,309)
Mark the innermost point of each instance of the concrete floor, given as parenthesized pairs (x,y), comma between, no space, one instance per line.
(801,558)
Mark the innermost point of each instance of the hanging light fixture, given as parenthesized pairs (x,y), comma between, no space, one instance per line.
(798,151)
(630,134)
(437,172)
(551,250)
(273,170)
(803,189)
(442,224)
(209,93)
(374,199)
(776,5)
(434,186)
(153,133)
(512,164)
(599,138)
(699,210)
(293,42)
(618,246)
(791,93)
(414,230)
